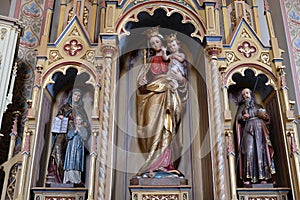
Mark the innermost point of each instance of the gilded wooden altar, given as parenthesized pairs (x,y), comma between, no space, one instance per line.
(88,37)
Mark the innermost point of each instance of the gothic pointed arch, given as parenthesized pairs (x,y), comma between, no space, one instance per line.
(63,67)
(189,15)
(257,70)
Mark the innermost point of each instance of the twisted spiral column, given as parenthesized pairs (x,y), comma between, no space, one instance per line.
(218,149)
(108,52)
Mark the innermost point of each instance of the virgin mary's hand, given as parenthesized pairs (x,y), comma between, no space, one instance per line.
(142,80)
(176,75)
(173,85)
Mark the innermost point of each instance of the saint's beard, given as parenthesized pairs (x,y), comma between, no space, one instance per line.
(247,99)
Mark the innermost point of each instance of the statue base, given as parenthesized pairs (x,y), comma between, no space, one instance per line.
(263,193)
(65,185)
(266,185)
(160,188)
(172,181)
(60,185)
(44,193)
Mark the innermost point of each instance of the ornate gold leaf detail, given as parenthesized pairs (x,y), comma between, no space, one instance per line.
(70,14)
(245,34)
(160,196)
(233,20)
(248,17)
(54,55)
(150,9)
(3,33)
(85,17)
(74,32)
(89,56)
(230,58)
(265,58)
(12,182)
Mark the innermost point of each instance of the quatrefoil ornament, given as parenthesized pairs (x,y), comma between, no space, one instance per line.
(73,47)
(246,49)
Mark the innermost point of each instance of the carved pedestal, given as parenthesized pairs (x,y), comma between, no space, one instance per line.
(159,189)
(263,193)
(59,193)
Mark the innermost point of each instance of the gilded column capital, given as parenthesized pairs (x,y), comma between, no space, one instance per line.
(108,50)
(213,51)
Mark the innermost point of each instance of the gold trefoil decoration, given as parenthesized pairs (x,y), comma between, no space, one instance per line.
(245,34)
(265,58)
(89,56)
(54,55)
(74,32)
(230,58)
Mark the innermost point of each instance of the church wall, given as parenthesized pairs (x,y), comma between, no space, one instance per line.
(286,28)
(5,7)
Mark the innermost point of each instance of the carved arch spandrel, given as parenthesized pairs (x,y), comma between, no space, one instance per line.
(63,67)
(188,16)
(272,80)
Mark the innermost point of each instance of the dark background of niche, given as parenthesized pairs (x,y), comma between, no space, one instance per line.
(137,39)
(68,81)
(256,84)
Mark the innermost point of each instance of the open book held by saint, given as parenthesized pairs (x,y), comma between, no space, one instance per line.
(60,125)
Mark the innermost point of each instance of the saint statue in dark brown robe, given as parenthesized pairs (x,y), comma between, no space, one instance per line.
(255,149)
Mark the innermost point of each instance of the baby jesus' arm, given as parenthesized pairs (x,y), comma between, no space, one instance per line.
(178,56)
(164,54)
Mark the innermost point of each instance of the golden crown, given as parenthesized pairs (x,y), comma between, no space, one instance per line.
(154,31)
(171,37)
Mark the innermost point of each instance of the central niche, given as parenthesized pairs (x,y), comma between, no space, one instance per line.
(195,137)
